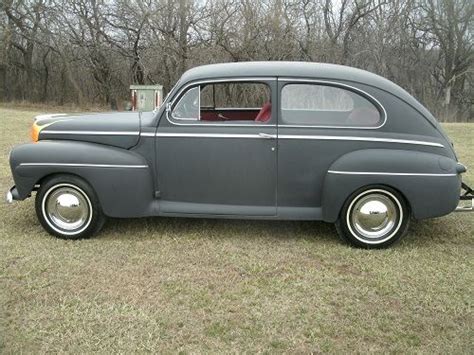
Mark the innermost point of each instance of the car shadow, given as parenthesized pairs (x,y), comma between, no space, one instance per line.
(447,230)
(150,228)
(424,233)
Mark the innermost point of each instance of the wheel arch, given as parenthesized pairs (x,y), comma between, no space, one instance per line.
(122,180)
(48,176)
(433,193)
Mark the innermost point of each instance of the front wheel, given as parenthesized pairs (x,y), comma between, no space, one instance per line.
(68,208)
(373,217)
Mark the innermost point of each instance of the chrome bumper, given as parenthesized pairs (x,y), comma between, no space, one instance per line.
(12,195)
(465,207)
(466,200)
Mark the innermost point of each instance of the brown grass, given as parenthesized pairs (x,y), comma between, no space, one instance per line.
(51,107)
(169,285)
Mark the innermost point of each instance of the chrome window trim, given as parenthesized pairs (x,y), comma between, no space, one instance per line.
(238,108)
(363,93)
(222,80)
(328,110)
(362,139)
(193,119)
(86,165)
(94,133)
(209,135)
(384,173)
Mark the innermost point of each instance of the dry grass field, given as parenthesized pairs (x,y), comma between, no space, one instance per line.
(199,286)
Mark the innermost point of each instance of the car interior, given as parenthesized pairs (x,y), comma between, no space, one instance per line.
(235,102)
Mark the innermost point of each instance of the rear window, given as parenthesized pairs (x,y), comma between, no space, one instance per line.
(325,105)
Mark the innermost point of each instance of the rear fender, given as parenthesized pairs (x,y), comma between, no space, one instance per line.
(122,179)
(429,182)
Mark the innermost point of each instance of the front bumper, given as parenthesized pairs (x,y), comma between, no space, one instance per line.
(12,195)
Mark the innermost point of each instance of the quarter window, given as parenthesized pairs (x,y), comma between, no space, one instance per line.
(188,106)
(325,105)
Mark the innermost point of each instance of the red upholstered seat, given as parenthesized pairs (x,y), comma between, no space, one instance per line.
(265,113)
(364,116)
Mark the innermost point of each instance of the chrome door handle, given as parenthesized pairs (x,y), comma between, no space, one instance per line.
(267,136)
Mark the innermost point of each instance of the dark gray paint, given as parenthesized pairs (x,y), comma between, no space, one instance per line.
(123,192)
(70,127)
(428,196)
(254,177)
(229,172)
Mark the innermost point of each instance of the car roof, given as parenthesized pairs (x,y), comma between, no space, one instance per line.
(281,69)
(306,70)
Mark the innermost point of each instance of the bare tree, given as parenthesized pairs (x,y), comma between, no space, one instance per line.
(23,23)
(90,50)
(449,23)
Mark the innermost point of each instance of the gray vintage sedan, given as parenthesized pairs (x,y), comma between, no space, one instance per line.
(257,140)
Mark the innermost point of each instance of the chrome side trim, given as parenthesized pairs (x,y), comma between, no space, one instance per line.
(336,83)
(384,173)
(94,133)
(47,116)
(363,139)
(87,165)
(209,135)
(223,80)
(267,136)
(287,136)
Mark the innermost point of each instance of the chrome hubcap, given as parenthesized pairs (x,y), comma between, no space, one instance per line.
(374,215)
(67,209)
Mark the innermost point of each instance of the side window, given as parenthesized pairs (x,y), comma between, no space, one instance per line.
(225,102)
(325,105)
(187,107)
(235,95)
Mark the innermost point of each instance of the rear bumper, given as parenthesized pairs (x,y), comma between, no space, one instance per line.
(466,200)
(12,195)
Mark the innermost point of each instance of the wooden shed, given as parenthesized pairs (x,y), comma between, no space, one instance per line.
(146,97)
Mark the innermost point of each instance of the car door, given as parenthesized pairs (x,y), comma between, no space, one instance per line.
(211,164)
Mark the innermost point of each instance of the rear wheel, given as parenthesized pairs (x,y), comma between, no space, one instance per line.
(68,208)
(374,217)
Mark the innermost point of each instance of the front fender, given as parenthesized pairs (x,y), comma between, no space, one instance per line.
(429,182)
(122,179)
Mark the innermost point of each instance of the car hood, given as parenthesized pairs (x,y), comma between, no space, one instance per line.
(120,129)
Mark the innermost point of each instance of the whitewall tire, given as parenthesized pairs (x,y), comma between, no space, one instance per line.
(373,217)
(67,207)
